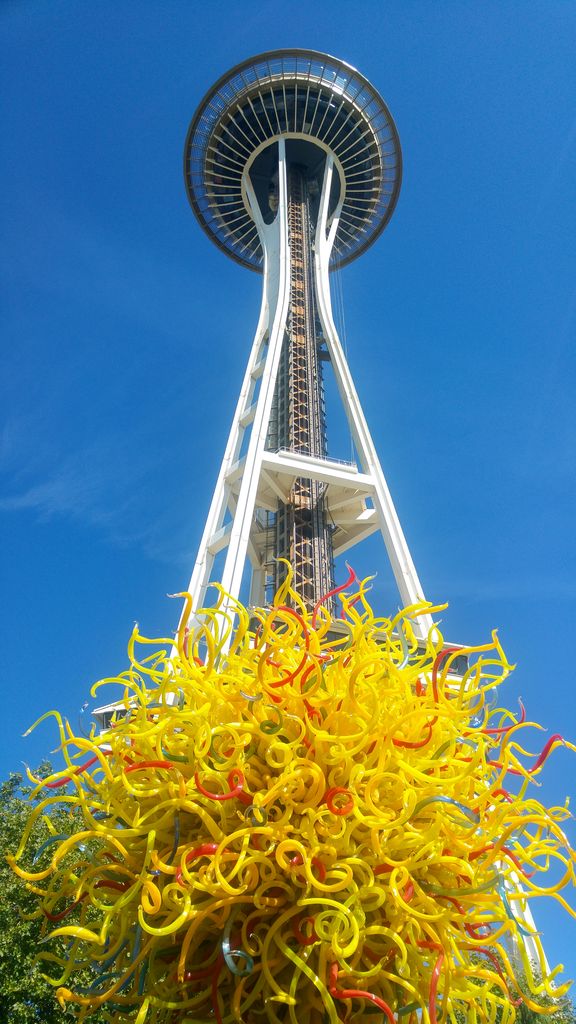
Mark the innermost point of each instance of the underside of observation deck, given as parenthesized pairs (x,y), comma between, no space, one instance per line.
(292,94)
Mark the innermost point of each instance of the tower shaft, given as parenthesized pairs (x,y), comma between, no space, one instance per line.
(303,535)
(275,468)
(293,167)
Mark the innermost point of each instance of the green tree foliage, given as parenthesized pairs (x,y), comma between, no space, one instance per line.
(25,996)
(563,1012)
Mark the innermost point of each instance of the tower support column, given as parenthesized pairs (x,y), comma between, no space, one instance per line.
(277,249)
(281,121)
(303,535)
(401,561)
(295,167)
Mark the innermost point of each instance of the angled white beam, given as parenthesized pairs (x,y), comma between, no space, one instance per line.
(220,540)
(368,515)
(260,478)
(342,504)
(258,369)
(274,239)
(247,416)
(353,539)
(401,561)
(237,470)
(282,493)
(316,469)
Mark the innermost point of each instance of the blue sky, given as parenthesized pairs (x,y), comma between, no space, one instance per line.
(125,332)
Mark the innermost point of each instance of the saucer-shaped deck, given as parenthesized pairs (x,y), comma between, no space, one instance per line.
(300,95)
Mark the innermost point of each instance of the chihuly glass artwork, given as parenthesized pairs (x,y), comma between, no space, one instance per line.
(297,818)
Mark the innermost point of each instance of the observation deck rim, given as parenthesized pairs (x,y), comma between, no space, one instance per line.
(293,53)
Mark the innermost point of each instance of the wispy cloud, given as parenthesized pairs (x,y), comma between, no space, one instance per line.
(77,488)
(91,483)
(99,485)
(88,436)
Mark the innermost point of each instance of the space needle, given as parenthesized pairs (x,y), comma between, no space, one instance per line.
(292,166)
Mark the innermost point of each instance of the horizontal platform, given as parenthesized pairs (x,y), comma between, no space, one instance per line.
(347,496)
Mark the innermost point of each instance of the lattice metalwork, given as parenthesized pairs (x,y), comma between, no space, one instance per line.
(303,536)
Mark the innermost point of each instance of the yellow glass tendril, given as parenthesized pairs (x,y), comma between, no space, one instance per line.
(294,818)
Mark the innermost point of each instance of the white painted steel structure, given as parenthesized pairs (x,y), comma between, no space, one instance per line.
(276,100)
(253,479)
(292,94)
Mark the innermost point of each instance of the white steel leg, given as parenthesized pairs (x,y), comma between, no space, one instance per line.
(400,558)
(275,243)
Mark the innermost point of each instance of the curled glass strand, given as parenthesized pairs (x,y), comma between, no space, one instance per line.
(309,826)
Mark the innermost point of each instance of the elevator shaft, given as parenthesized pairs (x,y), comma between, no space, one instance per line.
(303,535)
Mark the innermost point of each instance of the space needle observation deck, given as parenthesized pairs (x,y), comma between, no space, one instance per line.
(319,106)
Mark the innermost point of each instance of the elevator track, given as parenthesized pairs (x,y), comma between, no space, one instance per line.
(302,534)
